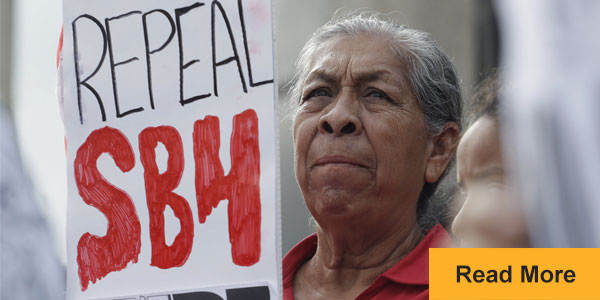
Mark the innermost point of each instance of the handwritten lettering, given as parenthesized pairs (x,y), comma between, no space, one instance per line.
(241,186)
(159,194)
(176,28)
(99,256)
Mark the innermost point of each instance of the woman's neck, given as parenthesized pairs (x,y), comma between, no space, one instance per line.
(348,260)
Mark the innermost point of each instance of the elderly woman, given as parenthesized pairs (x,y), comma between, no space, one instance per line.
(376,127)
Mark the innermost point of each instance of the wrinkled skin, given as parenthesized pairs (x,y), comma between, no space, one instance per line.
(362,156)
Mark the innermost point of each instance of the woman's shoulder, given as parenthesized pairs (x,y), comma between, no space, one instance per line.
(295,258)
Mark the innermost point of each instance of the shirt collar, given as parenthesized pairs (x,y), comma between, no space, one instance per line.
(413,269)
(297,256)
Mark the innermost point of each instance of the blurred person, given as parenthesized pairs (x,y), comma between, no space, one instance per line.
(552,116)
(375,128)
(549,131)
(491,214)
(29,266)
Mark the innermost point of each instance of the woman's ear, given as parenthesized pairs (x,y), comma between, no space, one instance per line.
(444,148)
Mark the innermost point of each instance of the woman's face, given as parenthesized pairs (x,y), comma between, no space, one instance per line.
(361,145)
(491,215)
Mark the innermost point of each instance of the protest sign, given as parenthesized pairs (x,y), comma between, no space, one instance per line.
(171,129)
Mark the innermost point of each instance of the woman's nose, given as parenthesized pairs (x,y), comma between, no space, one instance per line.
(342,119)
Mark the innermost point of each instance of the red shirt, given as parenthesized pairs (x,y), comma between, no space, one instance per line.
(407,279)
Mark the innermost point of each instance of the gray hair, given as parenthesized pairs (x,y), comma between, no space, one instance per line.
(431,75)
(485,99)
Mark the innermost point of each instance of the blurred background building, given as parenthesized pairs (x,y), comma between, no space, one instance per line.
(29,33)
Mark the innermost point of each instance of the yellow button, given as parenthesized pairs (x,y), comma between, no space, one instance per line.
(509,273)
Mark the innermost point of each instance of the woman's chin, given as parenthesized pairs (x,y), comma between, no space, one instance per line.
(336,203)
(341,179)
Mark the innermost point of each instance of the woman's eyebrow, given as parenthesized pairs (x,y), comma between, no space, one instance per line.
(359,77)
(380,75)
(321,75)
(371,76)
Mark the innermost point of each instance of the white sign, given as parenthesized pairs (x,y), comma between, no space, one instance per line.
(171,128)
(257,292)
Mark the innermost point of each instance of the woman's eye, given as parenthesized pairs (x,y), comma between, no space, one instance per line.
(374,93)
(320,92)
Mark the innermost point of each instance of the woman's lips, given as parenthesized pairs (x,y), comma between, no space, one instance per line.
(337,160)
